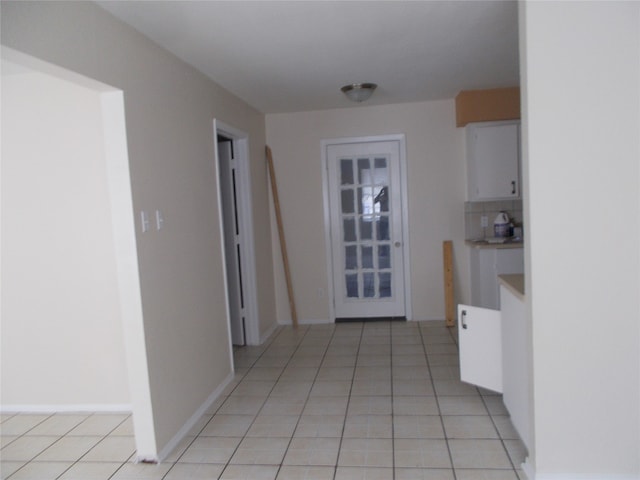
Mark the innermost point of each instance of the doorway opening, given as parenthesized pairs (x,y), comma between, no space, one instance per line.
(234,195)
(365,189)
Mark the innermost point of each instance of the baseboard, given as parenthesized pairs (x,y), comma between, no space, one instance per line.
(530,473)
(265,336)
(69,408)
(307,321)
(186,428)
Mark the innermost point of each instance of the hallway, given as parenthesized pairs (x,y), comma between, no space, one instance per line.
(374,401)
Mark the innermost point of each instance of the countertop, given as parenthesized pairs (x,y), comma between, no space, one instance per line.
(514,283)
(485,244)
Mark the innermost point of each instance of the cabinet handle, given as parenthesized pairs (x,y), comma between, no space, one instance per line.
(513,187)
(463,318)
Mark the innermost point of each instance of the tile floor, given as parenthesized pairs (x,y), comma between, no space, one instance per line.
(366,401)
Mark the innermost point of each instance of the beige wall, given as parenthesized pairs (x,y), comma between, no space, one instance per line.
(170,109)
(581,131)
(436,193)
(62,339)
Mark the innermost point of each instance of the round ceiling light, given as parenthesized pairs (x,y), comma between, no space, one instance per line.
(359,92)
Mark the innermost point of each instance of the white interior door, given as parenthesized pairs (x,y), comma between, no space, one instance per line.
(367,247)
(228,193)
(480,342)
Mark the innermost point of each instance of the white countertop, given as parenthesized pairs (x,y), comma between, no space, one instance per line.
(514,283)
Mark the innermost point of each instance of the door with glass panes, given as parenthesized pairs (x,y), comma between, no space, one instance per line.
(367,248)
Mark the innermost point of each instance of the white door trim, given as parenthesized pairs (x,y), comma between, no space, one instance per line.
(248,261)
(405,215)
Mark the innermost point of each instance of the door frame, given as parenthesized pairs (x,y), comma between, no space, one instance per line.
(240,141)
(400,138)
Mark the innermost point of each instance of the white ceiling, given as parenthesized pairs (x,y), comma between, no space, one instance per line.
(288,56)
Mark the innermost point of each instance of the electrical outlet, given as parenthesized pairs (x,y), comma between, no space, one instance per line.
(484,221)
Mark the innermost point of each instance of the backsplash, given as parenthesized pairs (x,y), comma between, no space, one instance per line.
(473,211)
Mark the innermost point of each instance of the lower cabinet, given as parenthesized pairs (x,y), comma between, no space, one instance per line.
(486,265)
(493,354)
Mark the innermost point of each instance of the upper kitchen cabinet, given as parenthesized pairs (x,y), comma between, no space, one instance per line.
(493,160)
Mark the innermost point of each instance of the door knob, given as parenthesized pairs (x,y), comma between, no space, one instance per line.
(397,244)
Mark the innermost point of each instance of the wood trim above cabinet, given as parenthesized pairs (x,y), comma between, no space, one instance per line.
(487,105)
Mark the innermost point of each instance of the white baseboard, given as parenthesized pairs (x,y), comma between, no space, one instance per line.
(265,336)
(530,472)
(69,408)
(306,321)
(184,430)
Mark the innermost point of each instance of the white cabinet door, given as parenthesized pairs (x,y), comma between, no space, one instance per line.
(493,151)
(480,337)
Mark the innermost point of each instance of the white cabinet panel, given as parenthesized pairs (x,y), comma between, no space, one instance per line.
(486,265)
(480,337)
(493,155)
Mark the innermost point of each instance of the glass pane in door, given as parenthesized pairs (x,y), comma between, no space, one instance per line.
(364,200)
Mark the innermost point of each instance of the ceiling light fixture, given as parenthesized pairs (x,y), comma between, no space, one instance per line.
(359,92)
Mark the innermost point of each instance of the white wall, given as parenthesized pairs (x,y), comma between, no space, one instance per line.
(170,109)
(62,339)
(581,127)
(436,191)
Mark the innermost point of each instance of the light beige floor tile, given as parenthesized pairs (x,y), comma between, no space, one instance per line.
(141,471)
(377,339)
(462,405)
(305,473)
(228,426)
(368,426)
(59,424)
(364,473)
(326,406)
(253,388)
(495,405)
(260,451)
(505,427)
(312,451)
(424,474)
(273,426)
(300,374)
(41,471)
(267,361)
(374,360)
(408,349)
(112,449)
(409,373)
(324,426)
(358,452)
(469,426)
(210,450)
(124,429)
(307,360)
(6,440)
(441,349)
(335,373)
(91,471)
(7,468)
(292,389)
(249,472)
(415,405)
(284,405)
(421,453)
(177,452)
(69,449)
(454,387)
(412,387)
(25,448)
(477,474)
(263,374)
(242,405)
(330,388)
(479,454)
(372,373)
(517,452)
(21,423)
(374,405)
(417,426)
(406,340)
(371,387)
(192,471)
(339,361)
(437,360)
(381,349)
(418,360)
(99,424)
(445,372)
